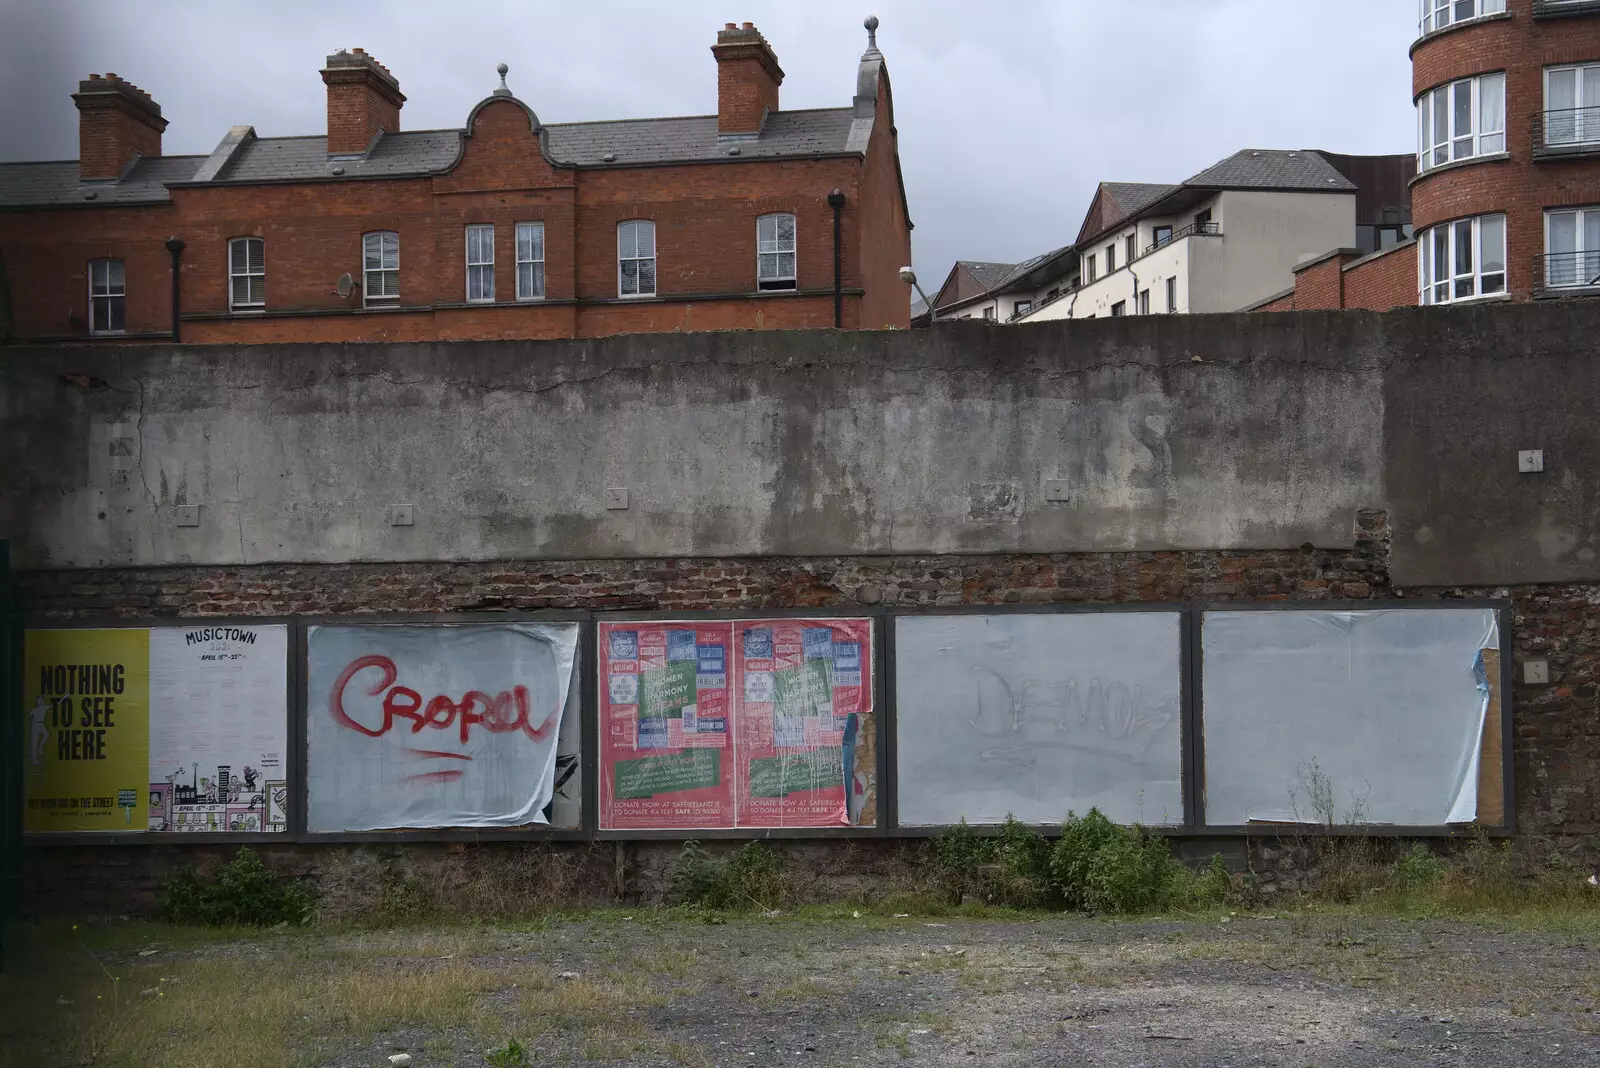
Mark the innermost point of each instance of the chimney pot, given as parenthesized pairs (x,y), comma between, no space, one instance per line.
(749,25)
(732,26)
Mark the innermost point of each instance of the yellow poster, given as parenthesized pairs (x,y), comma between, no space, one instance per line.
(86,696)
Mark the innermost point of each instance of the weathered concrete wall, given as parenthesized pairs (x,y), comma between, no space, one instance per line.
(1184,432)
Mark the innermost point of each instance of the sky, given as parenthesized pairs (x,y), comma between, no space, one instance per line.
(1009,111)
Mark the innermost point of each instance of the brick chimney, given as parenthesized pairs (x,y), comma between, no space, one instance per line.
(117,121)
(363,98)
(748,77)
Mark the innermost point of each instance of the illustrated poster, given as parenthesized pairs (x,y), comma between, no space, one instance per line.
(804,690)
(666,748)
(219,729)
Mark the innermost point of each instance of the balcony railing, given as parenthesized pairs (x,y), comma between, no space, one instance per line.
(1550,9)
(1567,132)
(1560,274)
(1066,291)
(1205,229)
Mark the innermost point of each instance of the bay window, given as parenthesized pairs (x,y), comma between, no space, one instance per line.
(1442,14)
(1462,260)
(1461,120)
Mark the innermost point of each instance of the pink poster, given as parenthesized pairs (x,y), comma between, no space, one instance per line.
(803,688)
(665,725)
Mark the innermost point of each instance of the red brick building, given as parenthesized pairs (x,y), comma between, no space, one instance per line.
(509,227)
(1506,201)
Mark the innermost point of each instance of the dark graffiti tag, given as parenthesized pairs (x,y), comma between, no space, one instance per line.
(502,713)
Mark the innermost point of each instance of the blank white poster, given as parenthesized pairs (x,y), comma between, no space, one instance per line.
(1358,717)
(1038,714)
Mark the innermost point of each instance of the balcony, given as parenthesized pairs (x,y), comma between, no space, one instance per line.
(1567,274)
(1568,132)
(1205,229)
(1555,9)
(1066,291)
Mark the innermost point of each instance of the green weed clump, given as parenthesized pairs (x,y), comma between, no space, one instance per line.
(1009,869)
(752,877)
(244,893)
(1419,869)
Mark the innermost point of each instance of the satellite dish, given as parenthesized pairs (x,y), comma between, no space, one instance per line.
(345,285)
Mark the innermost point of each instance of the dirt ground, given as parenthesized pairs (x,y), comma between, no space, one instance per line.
(833,988)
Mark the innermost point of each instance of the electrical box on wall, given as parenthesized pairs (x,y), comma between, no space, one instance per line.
(401,515)
(1530,461)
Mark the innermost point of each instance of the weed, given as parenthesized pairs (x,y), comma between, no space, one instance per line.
(245,892)
(510,1055)
(1011,868)
(1419,868)
(1214,885)
(752,877)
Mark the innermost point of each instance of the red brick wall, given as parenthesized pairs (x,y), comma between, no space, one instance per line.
(1521,187)
(881,230)
(1320,285)
(1383,282)
(1282,304)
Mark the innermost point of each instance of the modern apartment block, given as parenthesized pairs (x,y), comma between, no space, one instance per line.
(507,227)
(1506,200)
(1225,239)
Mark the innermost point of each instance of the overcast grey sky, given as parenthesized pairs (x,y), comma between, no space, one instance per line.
(1009,112)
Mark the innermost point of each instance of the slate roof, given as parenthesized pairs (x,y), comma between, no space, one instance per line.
(1021,270)
(988,275)
(1135,196)
(39,184)
(1273,168)
(633,142)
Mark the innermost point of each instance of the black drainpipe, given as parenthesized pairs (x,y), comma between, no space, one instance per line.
(175,246)
(836,202)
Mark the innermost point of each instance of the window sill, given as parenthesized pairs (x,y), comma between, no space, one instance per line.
(256,310)
(1465,24)
(1492,298)
(637,296)
(1457,164)
(531,300)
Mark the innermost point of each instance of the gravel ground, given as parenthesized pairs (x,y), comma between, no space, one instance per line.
(845,990)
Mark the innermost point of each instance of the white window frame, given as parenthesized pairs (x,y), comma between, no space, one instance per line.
(1172,295)
(386,274)
(1456,144)
(1458,285)
(1089,267)
(480,263)
(250,272)
(104,291)
(1442,14)
(1586,121)
(1119,309)
(770,251)
(1588,277)
(635,227)
(1021,307)
(530,255)
(1144,302)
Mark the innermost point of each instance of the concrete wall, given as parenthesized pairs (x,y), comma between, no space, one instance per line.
(1208,432)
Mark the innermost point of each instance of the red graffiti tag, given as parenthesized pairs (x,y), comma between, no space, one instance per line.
(500,714)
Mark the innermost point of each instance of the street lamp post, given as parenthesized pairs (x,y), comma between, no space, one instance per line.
(909,277)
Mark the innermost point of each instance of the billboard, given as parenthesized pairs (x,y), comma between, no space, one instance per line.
(1036,715)
(169,729)
(735,723)
(437,725)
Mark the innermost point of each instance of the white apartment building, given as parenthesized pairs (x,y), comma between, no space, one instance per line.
(1224,240)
